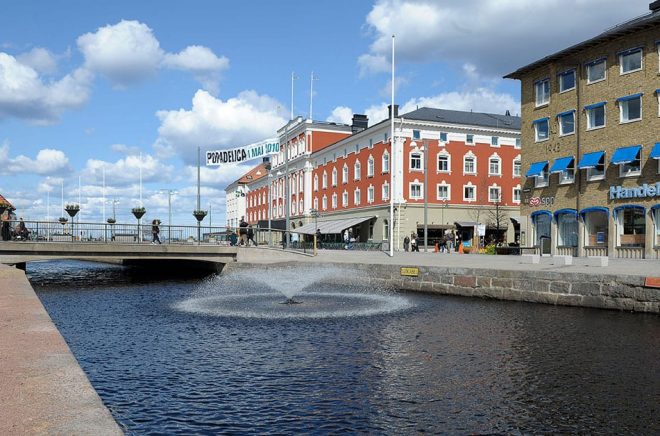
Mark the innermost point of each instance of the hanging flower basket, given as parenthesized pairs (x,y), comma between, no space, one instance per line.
(199,214)
(111,220)
(63,220)
(138,212)
(72,209)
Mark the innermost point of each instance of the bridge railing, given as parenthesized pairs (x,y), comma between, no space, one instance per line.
(106,233)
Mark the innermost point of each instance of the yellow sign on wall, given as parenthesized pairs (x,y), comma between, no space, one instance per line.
(409,271)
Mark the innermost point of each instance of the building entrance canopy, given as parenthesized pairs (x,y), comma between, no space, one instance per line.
(332,226)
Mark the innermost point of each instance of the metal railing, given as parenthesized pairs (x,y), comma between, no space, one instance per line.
(106,233)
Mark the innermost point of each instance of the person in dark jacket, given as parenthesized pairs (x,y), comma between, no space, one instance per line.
(242,231)
(250,236)
(155,230)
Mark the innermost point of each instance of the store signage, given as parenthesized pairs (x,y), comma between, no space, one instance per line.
(643,191)
(249,152)
(409,271)
(540,201)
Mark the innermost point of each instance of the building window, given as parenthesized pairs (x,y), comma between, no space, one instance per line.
(567,230)
(443,163)
(443,192)
(357,168)
(344,199)
(416,191)
(469,139)
(596,223)
(415,161)
(469,164)
(518,143)
(632,168)
(516,167)
(324,202)
(370,194)
(386,230)
(630,61)
(301,206)
(324,182)
(357,197)
(494,194)
(596,71)
(316,203)
(469,193)
(541,129)
(595,115)
(566,123)
(370,167)
(542,90)
(385,191)
(494,166)
(386,162)
(344,174)
(567,81)
(316,182)
(656,220)
(516,194)
(630,108)
(632,227)
(541,180)
(568,176)
(443,136)
(416,134)
(334,177)
(597,172)
(334,200)
(495,141)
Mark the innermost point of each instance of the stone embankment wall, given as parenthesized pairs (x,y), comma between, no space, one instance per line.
(568,289)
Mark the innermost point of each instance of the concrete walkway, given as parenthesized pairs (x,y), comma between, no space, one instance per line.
(618,267)
(43,390)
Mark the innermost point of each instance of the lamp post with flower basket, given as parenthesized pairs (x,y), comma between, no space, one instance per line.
(138,213)
(72,210)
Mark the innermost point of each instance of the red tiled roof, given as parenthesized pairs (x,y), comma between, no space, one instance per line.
(255,173)
(4,202)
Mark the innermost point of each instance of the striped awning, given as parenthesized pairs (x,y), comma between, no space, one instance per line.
(331,227)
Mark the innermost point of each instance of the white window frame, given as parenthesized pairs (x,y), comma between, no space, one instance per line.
(334,200)
(590,114)
(494,141)
(537,123)
(498,160)
(419,159)
(474,193)
(564,74)
(334,176)
(469,136)
(385,191)
(446,135)
(623,103)
(518,144)
(324,202)
(499,194)
(357,170)
(625,170)
(591,65)
(628,53)
(517,163)
(344,174)
(593,176)
(448,160)
(416,184)
(542,180)
(567,177)
(541,94)
(516,198)
(370,194)
(316,183)
(446,186)
(357,197)
(385,162)
(344,199)
(316,203)
(474,161)
(370,166)
(560,117)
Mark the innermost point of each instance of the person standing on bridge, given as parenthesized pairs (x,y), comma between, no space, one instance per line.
(6,230)
(242,231)
(155,230)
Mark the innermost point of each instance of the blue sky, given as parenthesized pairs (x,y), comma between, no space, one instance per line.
(88,87)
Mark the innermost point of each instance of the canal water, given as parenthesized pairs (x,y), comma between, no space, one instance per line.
(172,355)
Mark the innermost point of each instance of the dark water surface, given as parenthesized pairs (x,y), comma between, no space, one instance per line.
(189,356)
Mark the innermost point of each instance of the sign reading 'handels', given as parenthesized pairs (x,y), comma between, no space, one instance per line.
(241,154)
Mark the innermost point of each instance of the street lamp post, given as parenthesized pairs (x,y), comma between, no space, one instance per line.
(425,145)
(170,193)
(286,185)
(270,205)
(315,214)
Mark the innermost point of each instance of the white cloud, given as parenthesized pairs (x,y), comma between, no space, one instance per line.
(341,114)
(477,100)
(126,171)
(47,162)
(125,52)
(40,60)
(201,62)
(216,124)
(24,95)
(495,36)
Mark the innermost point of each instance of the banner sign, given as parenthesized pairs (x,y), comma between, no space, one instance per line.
(241,154)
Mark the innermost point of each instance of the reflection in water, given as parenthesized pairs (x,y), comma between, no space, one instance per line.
(440,364)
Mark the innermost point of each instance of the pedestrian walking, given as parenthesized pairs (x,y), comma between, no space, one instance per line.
(318,238)
(414,243)
(6,229)
(242,231)
(250,236)
(155,231)
(406,243)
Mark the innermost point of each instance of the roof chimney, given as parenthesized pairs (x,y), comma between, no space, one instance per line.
(396,109)
(655,6)
(360,122)
(507,113)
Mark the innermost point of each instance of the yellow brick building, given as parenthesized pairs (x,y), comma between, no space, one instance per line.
(591,145)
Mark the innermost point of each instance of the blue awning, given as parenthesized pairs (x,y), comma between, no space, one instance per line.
(591,160)
(630,97)
(561,164)
(595,105)
(601,209)
(536,169)
(656,206)
(618,209)
(655,153)
(566,113)
(540,120)
(624,155)
(565,211)
(540,212)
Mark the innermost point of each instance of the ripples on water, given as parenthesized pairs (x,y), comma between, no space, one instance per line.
(436,364)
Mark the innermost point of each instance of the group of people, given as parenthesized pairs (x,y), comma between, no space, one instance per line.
(20,232)
(245,235)
(411,243)
(349,239)
(445,244)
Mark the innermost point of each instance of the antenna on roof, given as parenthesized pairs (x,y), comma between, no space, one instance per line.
(507,113)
